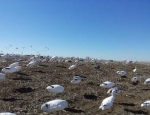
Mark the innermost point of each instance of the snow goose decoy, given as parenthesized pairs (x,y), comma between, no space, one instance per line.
(107,84)
(135,79)
(44,60)
(31,64)
(122,73)
(18,68)
(106,62)
(55,105)
(146,104)
(116,89)
(135,69)
(76,80)
(129,61)
(14,64)
(72,67)
(7,113)
(54,58)
(9,70)
(108,102)
(147,81)
(55,88)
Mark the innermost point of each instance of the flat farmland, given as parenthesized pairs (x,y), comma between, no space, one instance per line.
(25,91)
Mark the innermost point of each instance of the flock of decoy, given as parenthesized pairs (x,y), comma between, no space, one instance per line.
(59,104)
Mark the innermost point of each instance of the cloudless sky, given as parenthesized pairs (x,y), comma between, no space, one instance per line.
(107,29)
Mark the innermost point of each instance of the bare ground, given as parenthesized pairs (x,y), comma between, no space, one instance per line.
(24,92)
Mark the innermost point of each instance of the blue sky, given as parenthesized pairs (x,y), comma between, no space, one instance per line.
(107,29)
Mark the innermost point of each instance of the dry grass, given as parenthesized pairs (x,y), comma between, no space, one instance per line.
(24,92)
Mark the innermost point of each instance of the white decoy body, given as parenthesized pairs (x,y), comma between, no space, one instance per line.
(76,61)
(129,61)
(116,89)
(92,60)
(107,102)
(66,60)
(72,67)
(9,70)
(146,104)
(2,76)
(7,113)
(54,58)
(14,64)
(32,63)
(106,62)
(54,105)
(134,70)
(44,60)
(135,79)
(147,81)
(107,84)
(122,73)
(76,80)
(18,68)
(55,88)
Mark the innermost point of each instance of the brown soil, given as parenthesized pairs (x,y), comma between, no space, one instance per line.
(24,92)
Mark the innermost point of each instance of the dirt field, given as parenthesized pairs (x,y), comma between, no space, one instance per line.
(24,92)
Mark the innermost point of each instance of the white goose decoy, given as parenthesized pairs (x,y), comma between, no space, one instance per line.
(14,64)
(129,61)
(122,73)
(54,105)
(76,80)
(7,113)
(116,89)
(55,88)
(135,79)
(108,102)
(9,70)
(147,81)
(107,84)
(2,76)
(18,68)
(76,61)
(92,60)
(106,62)
(72,67)
(135,69)
(54,58)
(146,104)
(65,60)
(31,63)
(44,60)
